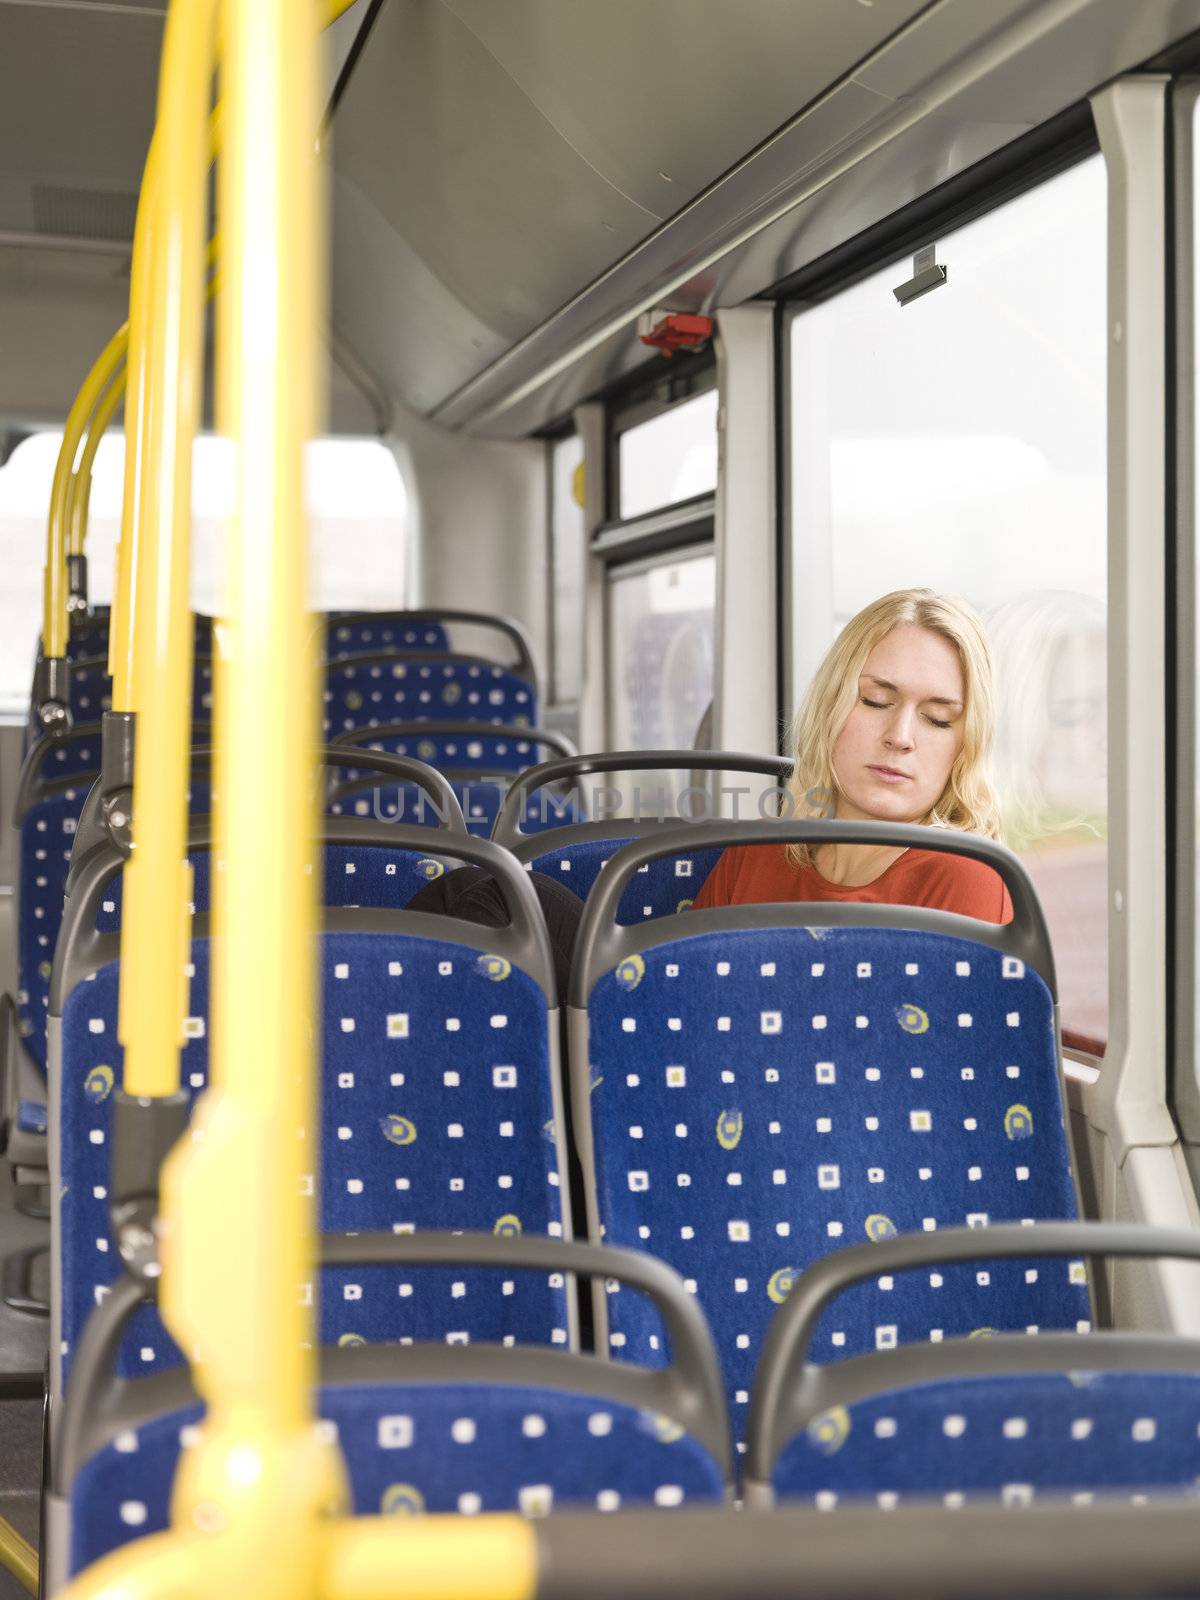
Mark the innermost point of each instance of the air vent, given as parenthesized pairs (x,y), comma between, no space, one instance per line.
(83,213)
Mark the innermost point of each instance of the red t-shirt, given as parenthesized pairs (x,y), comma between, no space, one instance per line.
(759,874)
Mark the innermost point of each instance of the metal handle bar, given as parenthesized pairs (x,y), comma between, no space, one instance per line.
(691,1344)
(789,1337)
(508,824)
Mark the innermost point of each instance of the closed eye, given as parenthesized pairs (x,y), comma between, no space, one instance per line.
(882,705)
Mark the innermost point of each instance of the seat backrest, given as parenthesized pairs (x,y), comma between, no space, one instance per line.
(440,1105)
(434,1427)
(1006,1417)
(354,633)
(575,852)
(400,632)
(758,1085)
(48,813)
(368,690)
(461,746)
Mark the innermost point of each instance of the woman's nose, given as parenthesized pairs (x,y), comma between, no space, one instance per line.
(899,734)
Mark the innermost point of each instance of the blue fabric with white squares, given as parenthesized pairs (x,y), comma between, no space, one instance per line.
(361,636)
(47,835)
(446,1124)
(47,838)
(659,889)
(409,689)
(762,1097)
(464,1448)
(352,875)
(461,752)
(436,1112)
(1006,1439)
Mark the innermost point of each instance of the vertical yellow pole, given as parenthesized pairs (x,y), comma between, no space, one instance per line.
(137,403)
(240,1219)
(154,933)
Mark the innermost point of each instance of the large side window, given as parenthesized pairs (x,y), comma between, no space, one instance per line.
(959,444)
(358,519)
(661,649)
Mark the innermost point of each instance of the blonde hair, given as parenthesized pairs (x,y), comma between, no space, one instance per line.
(969,800)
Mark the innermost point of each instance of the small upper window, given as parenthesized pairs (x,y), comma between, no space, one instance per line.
(670,457)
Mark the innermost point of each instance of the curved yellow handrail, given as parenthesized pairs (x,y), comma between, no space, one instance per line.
(54,594)
(79,491)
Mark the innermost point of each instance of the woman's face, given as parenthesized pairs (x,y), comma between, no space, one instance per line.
(893,757)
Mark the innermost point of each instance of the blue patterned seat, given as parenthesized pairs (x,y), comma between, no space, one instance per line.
(366,691)
(1004,1418)
(756,1089)
(47,834)
(471,1430)
(439,1107)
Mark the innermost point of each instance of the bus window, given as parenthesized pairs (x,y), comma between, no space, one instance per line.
(568,559)
(672,456)
(25,481)
(661,654)
(358,519)
(959,443)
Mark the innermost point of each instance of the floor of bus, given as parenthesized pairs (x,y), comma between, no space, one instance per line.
(20,1477)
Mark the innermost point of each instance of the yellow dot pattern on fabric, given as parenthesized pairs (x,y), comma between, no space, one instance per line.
(829,1432)
(398,1130)
(402,1500)
(781,1283)
(98,1084)
(1018,1122)
(729,1129)
(631,972)
(912,1019)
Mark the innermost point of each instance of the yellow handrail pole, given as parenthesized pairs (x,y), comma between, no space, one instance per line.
(19,1556)
(430,1558)
(54,590)
(79,490)
(154,933)
(137,410)
(260,1470)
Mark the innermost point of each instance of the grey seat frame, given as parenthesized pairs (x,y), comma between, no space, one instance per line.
(790,1391)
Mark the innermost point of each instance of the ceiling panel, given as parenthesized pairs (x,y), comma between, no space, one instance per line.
(516,149)
(77,92)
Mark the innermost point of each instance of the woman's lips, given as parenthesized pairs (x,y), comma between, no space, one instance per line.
(889,775)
